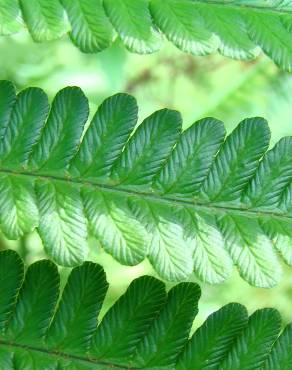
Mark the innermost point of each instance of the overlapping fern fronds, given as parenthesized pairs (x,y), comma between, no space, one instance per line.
(147,328)
(189,201)
(237,28)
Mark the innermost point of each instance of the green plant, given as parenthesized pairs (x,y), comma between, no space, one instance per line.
(146,328)
(194,201)
(236,28)
(187,201)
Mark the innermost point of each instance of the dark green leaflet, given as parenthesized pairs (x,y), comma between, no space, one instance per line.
(146,328)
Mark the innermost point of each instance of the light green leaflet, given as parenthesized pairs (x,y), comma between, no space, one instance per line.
(191,201)
(237,29)
(146,328)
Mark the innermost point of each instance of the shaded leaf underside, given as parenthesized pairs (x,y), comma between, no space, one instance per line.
(192,200)
(237,29)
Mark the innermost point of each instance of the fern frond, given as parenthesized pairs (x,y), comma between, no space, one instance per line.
(237,29)
(189,201)
(147,328)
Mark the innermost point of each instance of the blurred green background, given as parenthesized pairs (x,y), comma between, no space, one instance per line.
(197,87)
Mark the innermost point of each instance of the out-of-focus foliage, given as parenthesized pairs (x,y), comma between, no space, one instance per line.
(197,87)
(238,29)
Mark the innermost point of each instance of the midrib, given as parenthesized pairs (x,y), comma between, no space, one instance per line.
(171,201)
(61,355)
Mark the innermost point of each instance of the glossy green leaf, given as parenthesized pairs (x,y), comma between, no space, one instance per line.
(238,29)
(76,318)
(91,31)
(133,23)
(170,330)
(128,321)
(213,340)
(45,19)
(192,201)
(146,328)
(280,357)
(10,17)
(251,348)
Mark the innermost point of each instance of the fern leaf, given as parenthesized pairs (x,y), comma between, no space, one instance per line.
(237,29)
(280,354)
(12,271)
(10,17)
(37,299)
(45,20)
(146,328)
(133,23)
(188,201)
(76,317)
(213,340)
(170,330)
(124,325)
(91,30)
(259,336)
